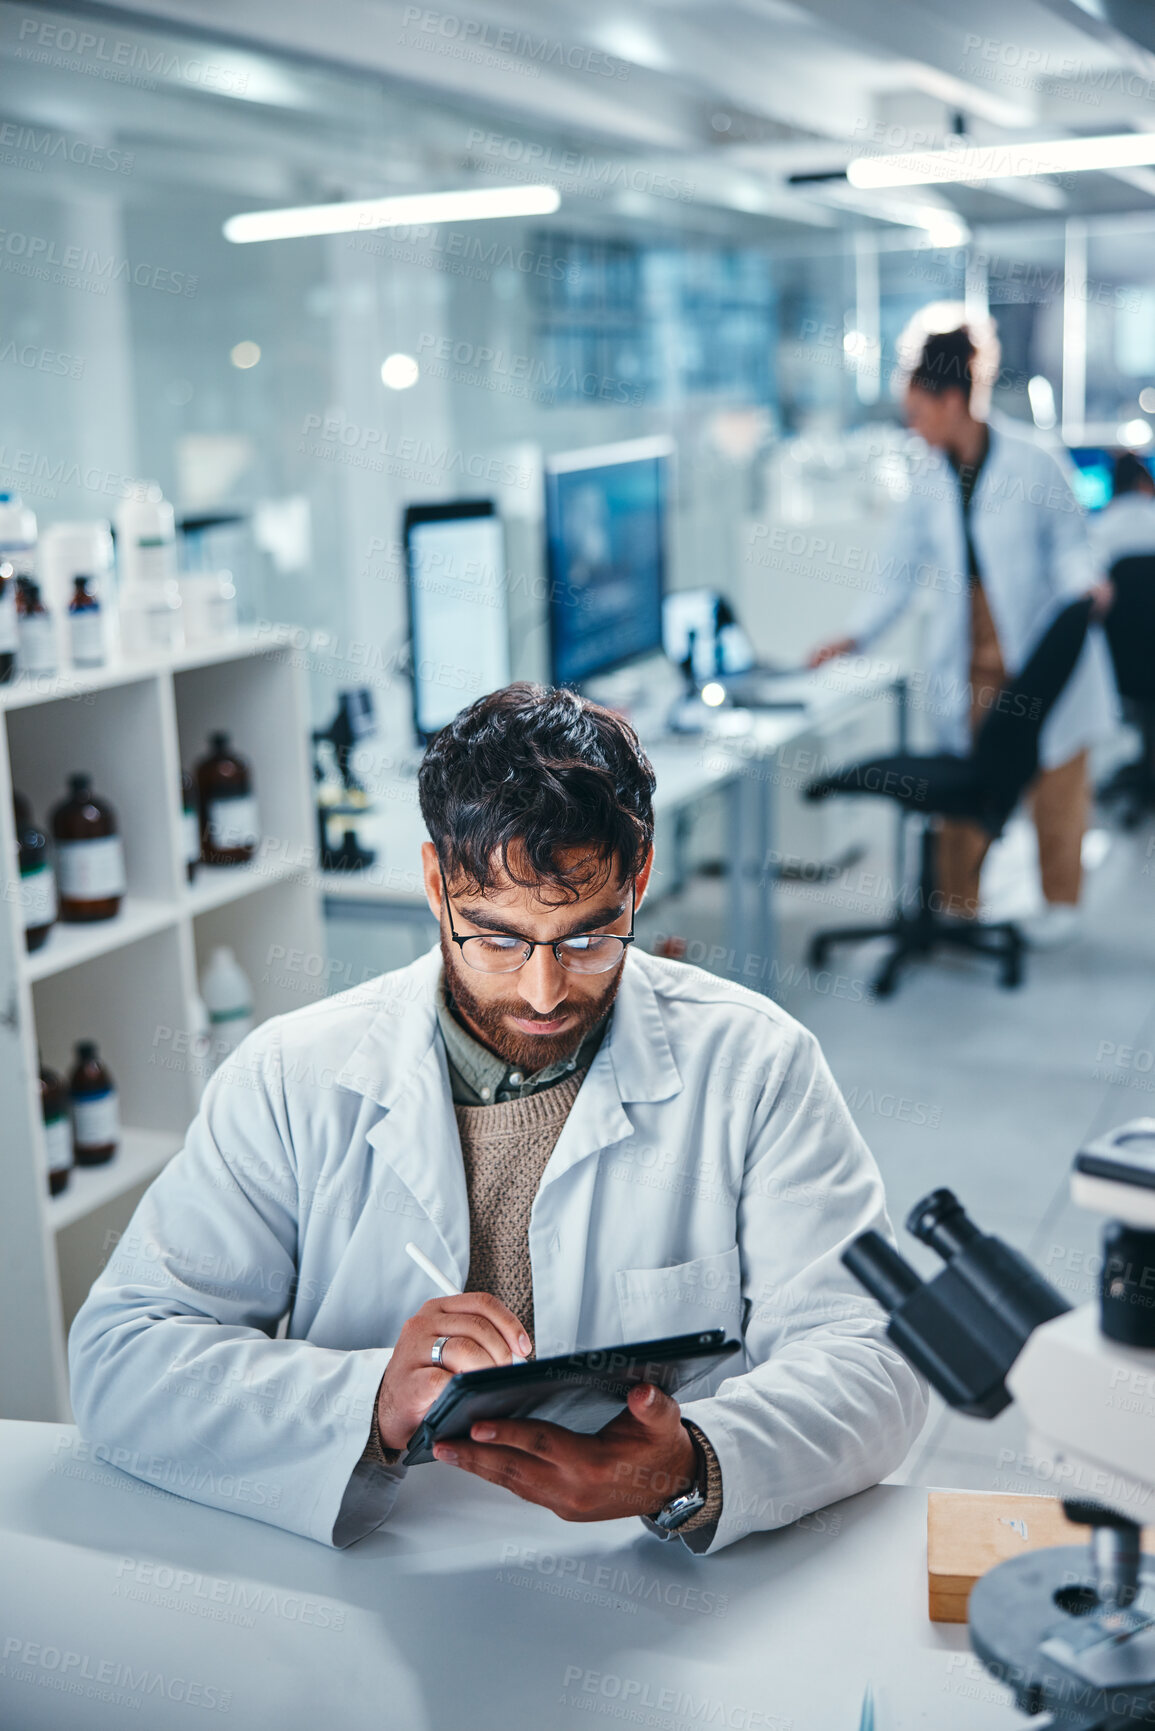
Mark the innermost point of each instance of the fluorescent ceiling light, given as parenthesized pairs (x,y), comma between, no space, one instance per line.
(978,162)
(943,226)
(412,209)
(633,42)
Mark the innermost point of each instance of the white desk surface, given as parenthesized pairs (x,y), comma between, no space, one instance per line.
(123,1605)
(687,767)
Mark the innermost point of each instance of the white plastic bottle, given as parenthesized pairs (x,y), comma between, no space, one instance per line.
(151,620)
(18,534)
(200,1043)
(146,540)
(208,605)
(228,997)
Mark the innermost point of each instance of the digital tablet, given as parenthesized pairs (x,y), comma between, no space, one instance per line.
(580,1390)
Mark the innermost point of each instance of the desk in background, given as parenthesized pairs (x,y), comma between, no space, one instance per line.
(735,760)
(122,1605)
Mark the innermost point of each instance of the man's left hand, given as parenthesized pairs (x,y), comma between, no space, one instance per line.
(631,1466)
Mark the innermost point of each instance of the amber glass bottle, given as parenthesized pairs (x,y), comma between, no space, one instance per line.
(54,1105)
(86,625)
(230,828)
(37,878)
(95,1108)
(190,824)
(89,854)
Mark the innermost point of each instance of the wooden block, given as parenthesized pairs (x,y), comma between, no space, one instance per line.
(968,1532)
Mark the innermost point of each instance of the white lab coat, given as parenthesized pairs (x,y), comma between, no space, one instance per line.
(1030,538)
(1122,530)
(708,1175)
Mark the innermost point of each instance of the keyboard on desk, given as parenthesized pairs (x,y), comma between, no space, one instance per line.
(762,688)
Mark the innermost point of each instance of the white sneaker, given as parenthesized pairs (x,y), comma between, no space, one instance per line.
(1058,923)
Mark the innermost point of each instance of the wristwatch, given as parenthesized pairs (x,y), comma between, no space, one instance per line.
(679,1508)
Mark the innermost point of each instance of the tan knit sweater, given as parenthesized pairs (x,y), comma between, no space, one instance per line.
(505,1149)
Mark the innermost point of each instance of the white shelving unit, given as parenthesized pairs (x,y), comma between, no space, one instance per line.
(128,982)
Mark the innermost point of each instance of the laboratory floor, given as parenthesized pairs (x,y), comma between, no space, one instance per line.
(954,1081)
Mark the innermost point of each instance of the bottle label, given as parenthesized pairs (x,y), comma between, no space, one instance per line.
(153,561)
(234,822)
(37,644)
(38,897)
(9,624)
(190,829)
(96,1119)
(58,1144)
(91,870)
(86,631)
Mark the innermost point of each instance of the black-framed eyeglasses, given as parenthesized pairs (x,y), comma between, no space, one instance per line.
(505,952)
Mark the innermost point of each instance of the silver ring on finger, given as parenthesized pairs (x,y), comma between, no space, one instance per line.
(439,1346)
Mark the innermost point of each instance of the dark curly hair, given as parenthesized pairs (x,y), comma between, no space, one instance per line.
(946,363)
(526,774)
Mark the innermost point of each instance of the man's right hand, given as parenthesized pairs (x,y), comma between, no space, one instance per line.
(830,651)
(481,1333)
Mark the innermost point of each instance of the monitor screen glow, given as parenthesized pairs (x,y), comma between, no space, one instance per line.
(606,529)
(1094,478)
(458,623)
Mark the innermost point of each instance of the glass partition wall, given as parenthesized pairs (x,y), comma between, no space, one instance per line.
(313,388)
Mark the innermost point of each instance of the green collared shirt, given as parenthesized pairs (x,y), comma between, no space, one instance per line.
(478,1077)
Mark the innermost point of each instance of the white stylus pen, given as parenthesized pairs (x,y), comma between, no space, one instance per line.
(438,1278)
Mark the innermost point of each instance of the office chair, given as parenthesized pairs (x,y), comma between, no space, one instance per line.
(1130,631)
(984,787)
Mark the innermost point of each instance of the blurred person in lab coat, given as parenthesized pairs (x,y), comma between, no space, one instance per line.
(992,518)
(594,1146)
(1125,527)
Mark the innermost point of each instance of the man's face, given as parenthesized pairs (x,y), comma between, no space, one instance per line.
(541,1013)
(936,418)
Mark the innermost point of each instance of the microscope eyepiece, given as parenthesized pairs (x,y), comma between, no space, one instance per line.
(965,1327)
(941,1222)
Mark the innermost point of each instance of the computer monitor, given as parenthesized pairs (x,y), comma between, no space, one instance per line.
(1094,481)
(1093,478)
(720,644)
(458,614)
(606,541)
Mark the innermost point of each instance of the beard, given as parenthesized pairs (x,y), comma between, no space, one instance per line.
(486,1018)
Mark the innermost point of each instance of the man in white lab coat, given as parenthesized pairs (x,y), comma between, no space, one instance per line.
(596,1145)
(993,533)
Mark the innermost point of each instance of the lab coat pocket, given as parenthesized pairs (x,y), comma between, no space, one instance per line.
(704,1293)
